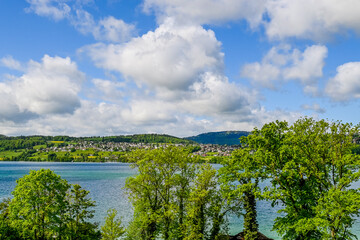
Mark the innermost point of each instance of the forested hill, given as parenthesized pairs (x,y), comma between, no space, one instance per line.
(22,142)
(222,138)
(140,138)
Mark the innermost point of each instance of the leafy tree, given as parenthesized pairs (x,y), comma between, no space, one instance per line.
(206,210)
(159,191)
(112,229)
(79,212)
(37,208)
(7,232)
(311,168)
(45,207)
(174,197)
(240,176)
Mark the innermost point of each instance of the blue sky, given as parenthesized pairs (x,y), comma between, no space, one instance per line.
(181,67)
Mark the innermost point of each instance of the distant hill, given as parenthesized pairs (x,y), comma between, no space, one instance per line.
(222,138)
(23,142)
(140,138)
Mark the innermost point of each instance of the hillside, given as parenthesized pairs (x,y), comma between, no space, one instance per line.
(222,138)
(25,142)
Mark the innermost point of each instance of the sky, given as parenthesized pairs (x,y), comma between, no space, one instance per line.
(178,67)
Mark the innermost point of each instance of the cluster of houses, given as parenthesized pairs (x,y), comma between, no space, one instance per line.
(201,149)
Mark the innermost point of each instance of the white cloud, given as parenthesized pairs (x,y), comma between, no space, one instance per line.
(150,112)
(9,110)
(314,107)
(346,84)
(311,19)
(304,19)
(281,64)
(179,74)
(213,95)
(49,87)
(11,63)
(171,57)
(106,29)
(111,90)
(98,119)
(207,11)
(56,9)
(114,30)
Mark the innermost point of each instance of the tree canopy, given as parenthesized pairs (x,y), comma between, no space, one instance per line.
(45,206)
(311,167)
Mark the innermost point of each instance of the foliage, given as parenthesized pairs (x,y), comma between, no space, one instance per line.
(112,229)
(167,193)
(240,176)
(207,208)
(79,210)
(45,206)
(37,207)
(6,230)
(311,168)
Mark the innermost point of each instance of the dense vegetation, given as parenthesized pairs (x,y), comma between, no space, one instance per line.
(44,206)
(48,148)
(311,167)
(175,197)
(221,138)
(25,142)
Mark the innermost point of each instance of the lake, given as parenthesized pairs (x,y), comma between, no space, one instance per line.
(106,181)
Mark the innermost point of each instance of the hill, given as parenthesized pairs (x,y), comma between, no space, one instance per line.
(25,142)
(222,138)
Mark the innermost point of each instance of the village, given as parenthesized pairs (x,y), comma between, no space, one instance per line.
(197,149)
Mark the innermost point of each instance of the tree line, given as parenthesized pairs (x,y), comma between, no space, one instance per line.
(310,167)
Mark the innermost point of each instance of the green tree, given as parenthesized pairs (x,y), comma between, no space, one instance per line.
(174,196)
(240,176)
(113,228)
(45,206)
(311,168)
(159,191)
(207,208)
(7,232)
(79,212)
(36,209)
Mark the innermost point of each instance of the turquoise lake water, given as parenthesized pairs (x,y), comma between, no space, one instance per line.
(105,181)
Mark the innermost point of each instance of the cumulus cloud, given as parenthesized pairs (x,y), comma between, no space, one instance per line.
(207,11)
(214,95)
(9,110)
(283,64)
(170,57)
(56,9)
(149,112)
(48,87)
(114,30)
(178,69)
(311,19)
(179,74)
(11,63)
(94,119)
(304,19)
(345,85)
(111,90)
(106,29)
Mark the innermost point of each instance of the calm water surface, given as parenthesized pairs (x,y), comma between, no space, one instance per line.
(105,181)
